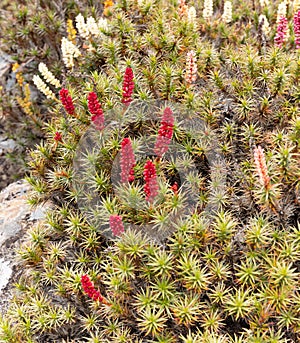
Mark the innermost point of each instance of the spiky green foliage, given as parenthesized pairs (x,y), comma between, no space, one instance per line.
(229,270)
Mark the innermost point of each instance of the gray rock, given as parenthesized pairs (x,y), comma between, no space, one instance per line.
(16,217)
(5,273)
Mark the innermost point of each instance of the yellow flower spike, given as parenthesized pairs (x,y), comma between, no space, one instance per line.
(107,5)
(19,76)
(15,67)
(71,31)
(26,103)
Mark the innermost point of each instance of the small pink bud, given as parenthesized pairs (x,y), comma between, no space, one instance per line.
(116,225)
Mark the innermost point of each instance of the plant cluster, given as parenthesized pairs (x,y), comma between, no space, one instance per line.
(227,271)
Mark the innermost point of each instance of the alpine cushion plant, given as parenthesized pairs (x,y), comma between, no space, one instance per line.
(127,161)
(228,270)
(128,86)
(95,109)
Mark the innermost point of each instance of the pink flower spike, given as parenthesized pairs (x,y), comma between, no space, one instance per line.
(89,289)
(191,67)
(261,166)
(281,32)
(151,184)
(116,225)
(128,86)
(96,111)
(165,133)
(297,29)
(127,161)
(67,101)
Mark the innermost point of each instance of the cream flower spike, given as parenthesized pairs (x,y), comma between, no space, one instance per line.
(82,27)
(69,52)
(208,9)
(227,14)
(42,87)
(265,26)
(48,76)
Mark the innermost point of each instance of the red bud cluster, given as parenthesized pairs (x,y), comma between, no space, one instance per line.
(67,101)
(127,161)
(151,184)
(164,133)
(96,111)
(89,289)
(128,86)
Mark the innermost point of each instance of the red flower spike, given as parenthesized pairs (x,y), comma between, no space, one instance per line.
(96,111)
(58,137)
(67,101)
(151,184)
(128,86)
(297,29)
(175,188)
(127,161)
(281,32)
(89,289)
(116,225)
(165,133)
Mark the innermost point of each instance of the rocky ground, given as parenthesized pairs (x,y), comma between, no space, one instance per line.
(16,217)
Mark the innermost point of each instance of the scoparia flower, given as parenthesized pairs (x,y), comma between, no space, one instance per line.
(281,32)
(281,11)
(182,8)
(165,132)
(71,31)
(192,16)
(265,26)
(261,166)
(89,289)
(58,137)
(103,25)
(191,67)
(227,14)
(81,26)
(96,111)
(69,52)
(116,225)
(208,9)
(42,87)
(128,86)
(264,3)
(296,5)
(151,184)
(127,161)
(297,29)
(67,101)
(48,76)
(92,27)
